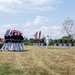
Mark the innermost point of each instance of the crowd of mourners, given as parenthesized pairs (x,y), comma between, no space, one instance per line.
(14,41)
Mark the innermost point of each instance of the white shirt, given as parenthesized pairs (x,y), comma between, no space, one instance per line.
(47,40)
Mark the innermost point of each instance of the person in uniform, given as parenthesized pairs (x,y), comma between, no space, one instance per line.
(74,42)
(70,42)
(60,42)
(12,42)
(47,42)
(34,42)
(5,46)
(21,42)
(9,42)
(55,42)
(38,42)
(42,42)
(17,47)
(65,43)
(17,42)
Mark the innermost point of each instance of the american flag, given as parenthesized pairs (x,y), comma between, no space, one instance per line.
(39,34)
(8,32)
(11,31)
(35,35)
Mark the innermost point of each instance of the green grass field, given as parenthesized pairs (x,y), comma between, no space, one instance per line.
(38,61)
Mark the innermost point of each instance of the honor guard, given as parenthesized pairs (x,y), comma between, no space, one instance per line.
(74,42)
(47,42)
(70,43)
(42,42)
(60,42)
(34,42)
(22,42)
(55,42)
(65,43)
(5,46)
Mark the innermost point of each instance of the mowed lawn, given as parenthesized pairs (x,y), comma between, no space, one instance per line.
(38,61)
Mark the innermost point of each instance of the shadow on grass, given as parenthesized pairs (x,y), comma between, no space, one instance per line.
(20,51)
(14,51)
(59,48)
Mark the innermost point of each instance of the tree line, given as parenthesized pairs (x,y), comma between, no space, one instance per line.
(68,28)
(52,41)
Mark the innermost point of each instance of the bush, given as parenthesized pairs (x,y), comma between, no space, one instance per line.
(1,46)
(28,43)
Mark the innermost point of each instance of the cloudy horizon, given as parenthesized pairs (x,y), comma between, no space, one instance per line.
(31,16)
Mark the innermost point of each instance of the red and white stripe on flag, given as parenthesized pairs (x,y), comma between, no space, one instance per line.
(35,35)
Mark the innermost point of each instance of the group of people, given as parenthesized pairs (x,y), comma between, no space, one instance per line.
(38,42)
(15,41)
(64,42)
(56,42)
(12,42)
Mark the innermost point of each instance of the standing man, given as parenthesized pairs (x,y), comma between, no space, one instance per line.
(47,42)
(55,42)
(74,42)
(65,42)
(60,42)
(42,42)
(5,46)
(21,42)
(34,42)
(70,42)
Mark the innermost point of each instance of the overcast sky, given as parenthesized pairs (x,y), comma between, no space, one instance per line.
(30,16)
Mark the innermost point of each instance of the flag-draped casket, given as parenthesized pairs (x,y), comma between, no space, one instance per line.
(11,31)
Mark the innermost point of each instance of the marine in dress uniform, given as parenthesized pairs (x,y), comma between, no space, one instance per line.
(47,42)
(55,42)
(65,43)
(42,42)
(21,42)
(70,43)
(60,42)
(74,42)
(4,47)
